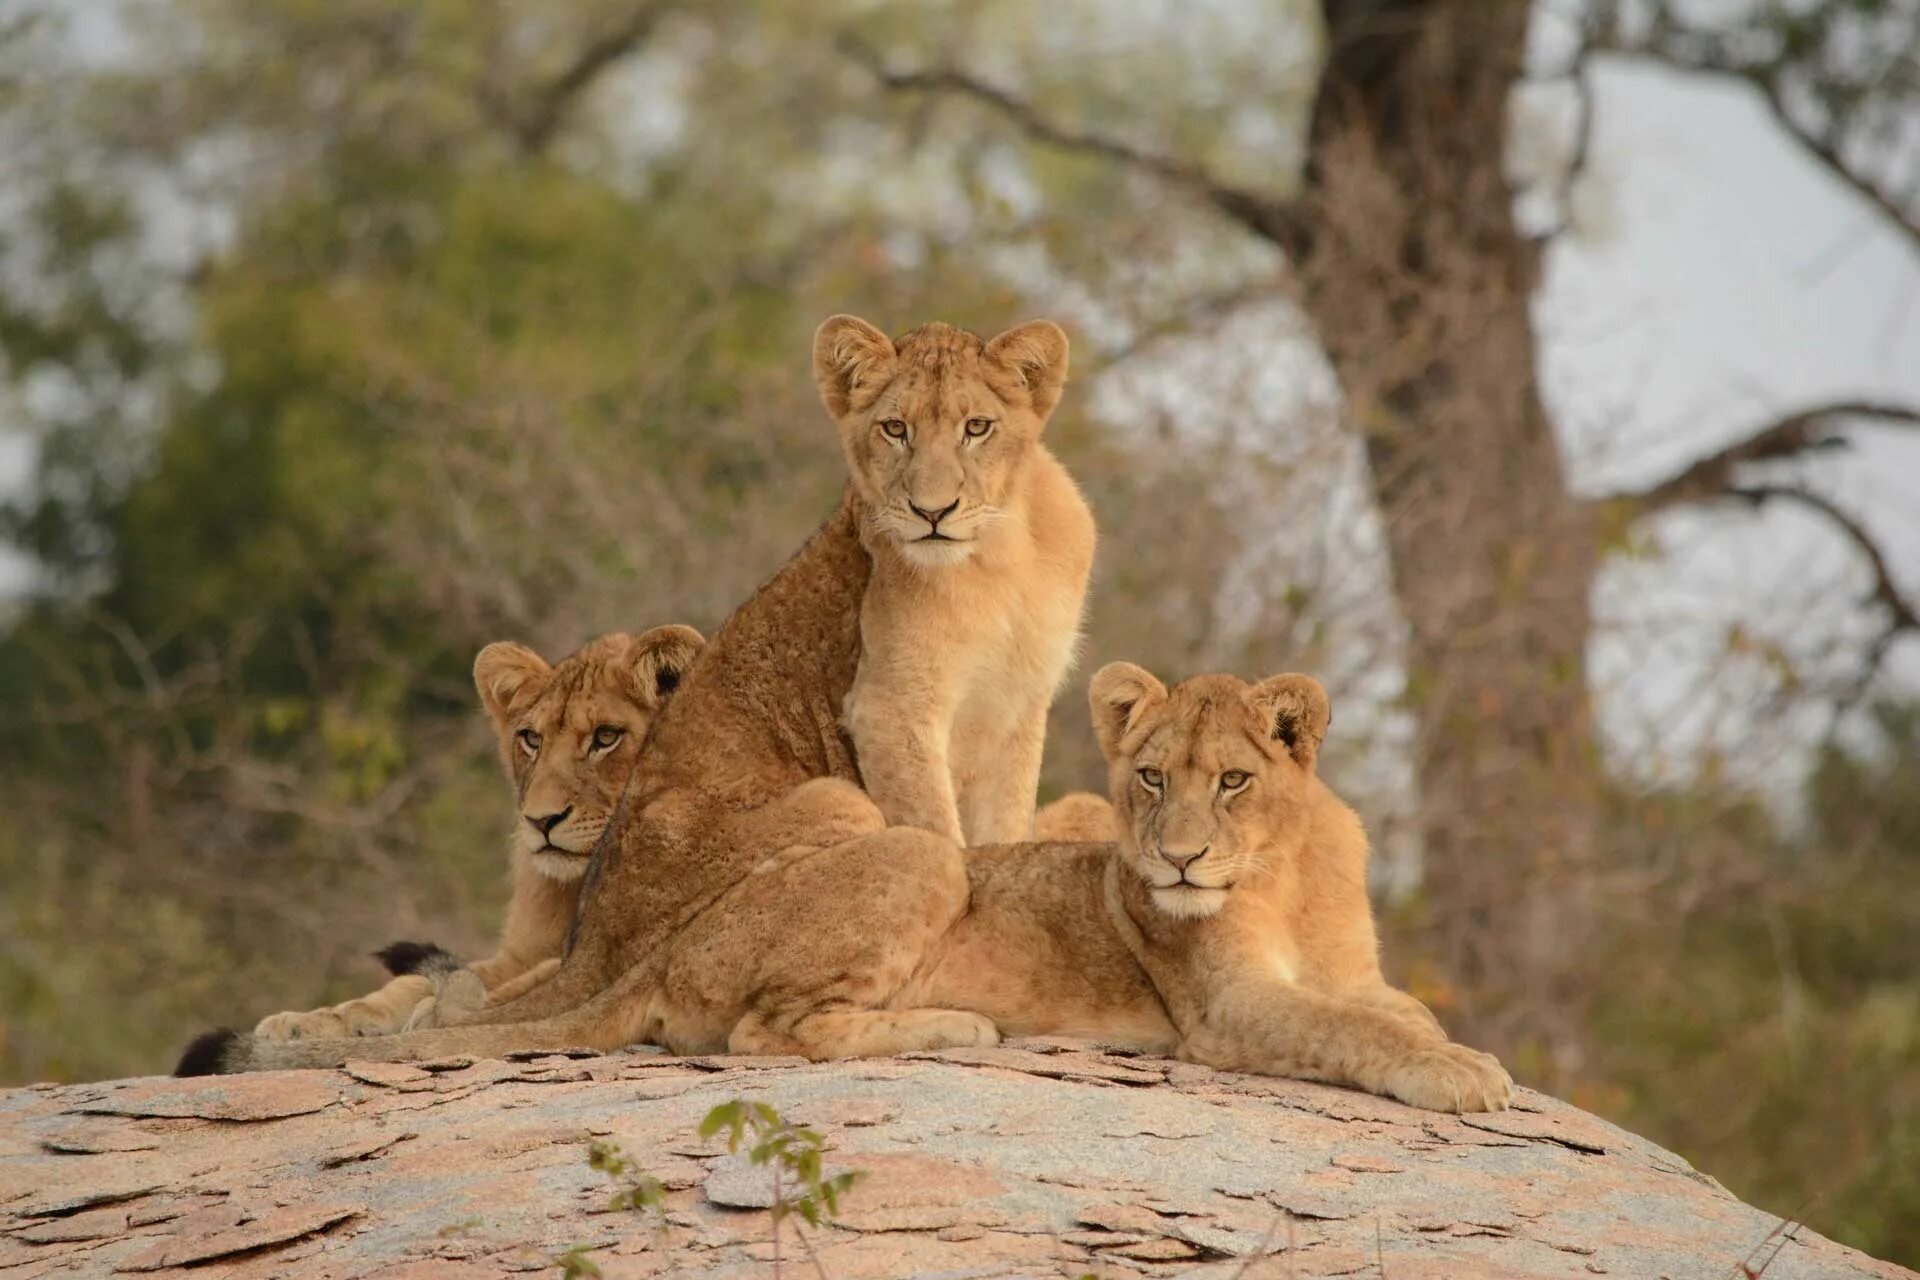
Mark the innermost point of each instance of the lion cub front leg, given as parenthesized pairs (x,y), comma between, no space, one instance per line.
(461,994)
(900,731)
(999,776)
(1277,1029)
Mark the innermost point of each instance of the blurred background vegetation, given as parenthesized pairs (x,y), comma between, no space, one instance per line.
(340,337)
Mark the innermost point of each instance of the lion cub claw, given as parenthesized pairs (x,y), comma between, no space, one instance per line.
(1451,1077)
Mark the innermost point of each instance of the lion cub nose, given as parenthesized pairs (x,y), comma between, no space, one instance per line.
(544,823)
(1182,859)
(933,518)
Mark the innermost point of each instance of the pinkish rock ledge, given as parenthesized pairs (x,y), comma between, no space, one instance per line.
(1042,1158)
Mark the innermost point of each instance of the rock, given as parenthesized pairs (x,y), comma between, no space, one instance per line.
(1032,1159)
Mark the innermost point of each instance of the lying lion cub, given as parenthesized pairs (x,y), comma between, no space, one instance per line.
(1229,924)
(568,737)
(981,548)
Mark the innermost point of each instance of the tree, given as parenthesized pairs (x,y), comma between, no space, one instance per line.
(1402,252)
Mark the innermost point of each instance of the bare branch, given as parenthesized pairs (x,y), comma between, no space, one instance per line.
(1266,214)
(1902,613)
(1196,316)
(1801,433)
(1671,41)
(535,125)
(1902,616)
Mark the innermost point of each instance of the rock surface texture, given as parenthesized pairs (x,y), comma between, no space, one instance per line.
(1039,1158)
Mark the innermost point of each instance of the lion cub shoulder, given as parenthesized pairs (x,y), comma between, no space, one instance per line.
(981,548)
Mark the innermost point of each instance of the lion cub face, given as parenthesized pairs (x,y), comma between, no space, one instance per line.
(569,733)
(938,426)
(1209,780)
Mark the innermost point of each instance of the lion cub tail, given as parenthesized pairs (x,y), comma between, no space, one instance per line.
(228,1052)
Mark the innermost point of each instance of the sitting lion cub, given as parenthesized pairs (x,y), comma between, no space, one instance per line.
(981,548)
(568,737)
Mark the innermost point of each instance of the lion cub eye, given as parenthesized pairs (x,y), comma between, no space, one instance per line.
(979,428)
(1234,779)
(529,741)
(893,429)
(606,735)
(1152,779)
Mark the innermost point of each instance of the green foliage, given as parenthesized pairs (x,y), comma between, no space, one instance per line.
(792,1154)
(637,1190)
(1787,995)
(574,1264)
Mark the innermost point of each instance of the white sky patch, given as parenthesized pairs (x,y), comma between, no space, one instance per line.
(1731,282)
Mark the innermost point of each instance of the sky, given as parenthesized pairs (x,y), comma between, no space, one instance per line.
(1725,280)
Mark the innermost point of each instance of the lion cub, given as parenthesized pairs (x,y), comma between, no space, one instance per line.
(568,737)
(1240,887)
(981,547)
(1229,923)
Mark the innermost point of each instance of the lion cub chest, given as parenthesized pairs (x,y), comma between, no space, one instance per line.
(948,708)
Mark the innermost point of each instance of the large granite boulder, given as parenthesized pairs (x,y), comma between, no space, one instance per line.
(1041,1158)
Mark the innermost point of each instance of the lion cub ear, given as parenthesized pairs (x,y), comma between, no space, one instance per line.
(1037,353)
(1297,713)
(660,657)
(503,672)
(852,361)
(1120,695)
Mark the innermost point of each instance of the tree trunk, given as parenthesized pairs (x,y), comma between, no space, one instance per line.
(1420,285)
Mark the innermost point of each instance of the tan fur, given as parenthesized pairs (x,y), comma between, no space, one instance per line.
(612,688)
(981,549)
(751,902)
(1258,954)
(1080,815)
(717,793)
(1240,885)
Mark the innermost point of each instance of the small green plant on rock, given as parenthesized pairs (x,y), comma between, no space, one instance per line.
(576,1265)
(792,1154)
(634,1190)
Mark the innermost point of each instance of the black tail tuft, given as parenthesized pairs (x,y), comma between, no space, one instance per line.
(210,1054)
(415,957)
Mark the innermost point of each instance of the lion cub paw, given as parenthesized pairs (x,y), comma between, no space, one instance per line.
(355,1018)
(1451,1077)
(958,1029)
(317,1024)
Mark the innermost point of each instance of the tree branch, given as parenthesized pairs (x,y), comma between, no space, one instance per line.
(1804,432)
(1672,42)
(1902,613)
(1712,479)
(1267,215)
(535,125)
